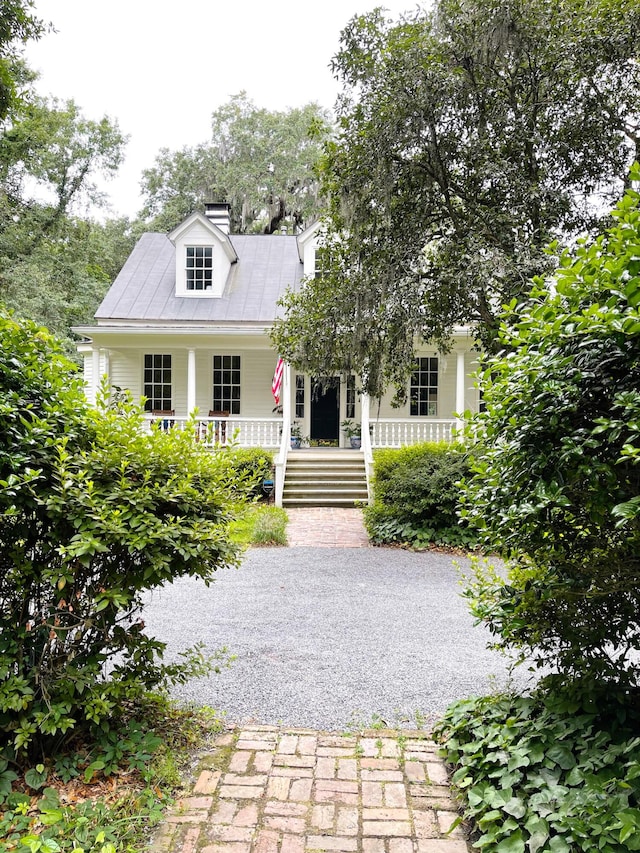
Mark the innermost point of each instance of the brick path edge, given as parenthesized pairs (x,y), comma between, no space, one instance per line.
(270,790)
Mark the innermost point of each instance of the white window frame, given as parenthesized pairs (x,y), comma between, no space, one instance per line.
(423,396)
(196,273)
(226,402)
(161,368)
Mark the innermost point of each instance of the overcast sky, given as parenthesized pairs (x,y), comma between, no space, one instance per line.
(160,69)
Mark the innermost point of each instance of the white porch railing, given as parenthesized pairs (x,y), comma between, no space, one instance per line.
(268,432)
(398,432)
(247,432)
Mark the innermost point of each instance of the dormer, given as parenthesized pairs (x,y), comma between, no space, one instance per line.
(307,248)
(204,253)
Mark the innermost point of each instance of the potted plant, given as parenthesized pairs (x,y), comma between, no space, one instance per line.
(353,432)
(296,436)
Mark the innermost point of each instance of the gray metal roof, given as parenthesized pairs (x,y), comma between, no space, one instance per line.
(145,289)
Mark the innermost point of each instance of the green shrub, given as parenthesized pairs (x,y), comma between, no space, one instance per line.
(550,773)
(93,512)
(416,495)
(556,485)
(252,463)
(64,804)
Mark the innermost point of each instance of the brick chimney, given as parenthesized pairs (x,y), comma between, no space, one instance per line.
(218,212)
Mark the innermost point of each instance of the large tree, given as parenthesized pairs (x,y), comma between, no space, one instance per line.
(17,26)
(260,161)
(54,265)
(469,138)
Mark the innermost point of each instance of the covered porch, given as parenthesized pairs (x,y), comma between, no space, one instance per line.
(224,384)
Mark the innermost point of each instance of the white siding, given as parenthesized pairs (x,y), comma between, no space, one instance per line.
(92,386)
(126,370)
(256,373)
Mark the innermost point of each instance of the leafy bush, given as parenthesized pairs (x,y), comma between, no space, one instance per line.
(416,495)
(252,463)
(556,483)
(67,804)
(93,512)
(542,774)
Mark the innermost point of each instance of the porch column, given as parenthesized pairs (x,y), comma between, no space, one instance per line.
(191,381)
(460,380)
(286,400)
(366,441)
(281,458)
(364,422)
(95,374)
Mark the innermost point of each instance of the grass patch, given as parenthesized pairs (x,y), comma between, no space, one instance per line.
(104,797)
(261,524)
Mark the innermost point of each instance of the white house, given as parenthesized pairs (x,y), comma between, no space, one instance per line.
(185,324)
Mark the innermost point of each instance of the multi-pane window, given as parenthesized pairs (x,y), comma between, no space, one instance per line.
(322,262)
(226,384)
(199,268)
(423,394)
(157,382)
(299,395)
(350,410)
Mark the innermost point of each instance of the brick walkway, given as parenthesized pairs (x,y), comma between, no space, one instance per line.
(326,527)
(267,790)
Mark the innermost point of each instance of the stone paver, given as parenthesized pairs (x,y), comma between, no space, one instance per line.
(318,792)
(326,527)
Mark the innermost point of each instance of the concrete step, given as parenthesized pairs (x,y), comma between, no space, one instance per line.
(317,474)
(325,478)
(358,492)
(320,501)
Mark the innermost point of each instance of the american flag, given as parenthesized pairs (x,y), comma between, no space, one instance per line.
(276,383)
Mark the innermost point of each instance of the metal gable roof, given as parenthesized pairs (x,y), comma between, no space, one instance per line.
(145,289)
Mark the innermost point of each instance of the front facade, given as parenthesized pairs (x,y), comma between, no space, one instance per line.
(185,325)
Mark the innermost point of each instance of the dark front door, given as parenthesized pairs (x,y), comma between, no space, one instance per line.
(325,411)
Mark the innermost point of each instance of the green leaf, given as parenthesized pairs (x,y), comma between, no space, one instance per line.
(562,756)
(538,830)
(515,807)
(558,845)
(35,777)
(513,844)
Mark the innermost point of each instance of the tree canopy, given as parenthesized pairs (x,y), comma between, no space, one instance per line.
(468,138)
(259,161)
(17,26)
(55,265)
(556,460)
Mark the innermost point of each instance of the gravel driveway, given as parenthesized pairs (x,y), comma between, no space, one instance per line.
(328,637)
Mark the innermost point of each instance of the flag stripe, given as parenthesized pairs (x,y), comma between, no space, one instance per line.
(276,384)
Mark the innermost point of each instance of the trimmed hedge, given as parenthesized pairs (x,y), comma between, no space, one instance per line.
(416,496)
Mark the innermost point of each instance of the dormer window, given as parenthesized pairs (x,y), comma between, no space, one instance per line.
(204,255)
(199,269)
